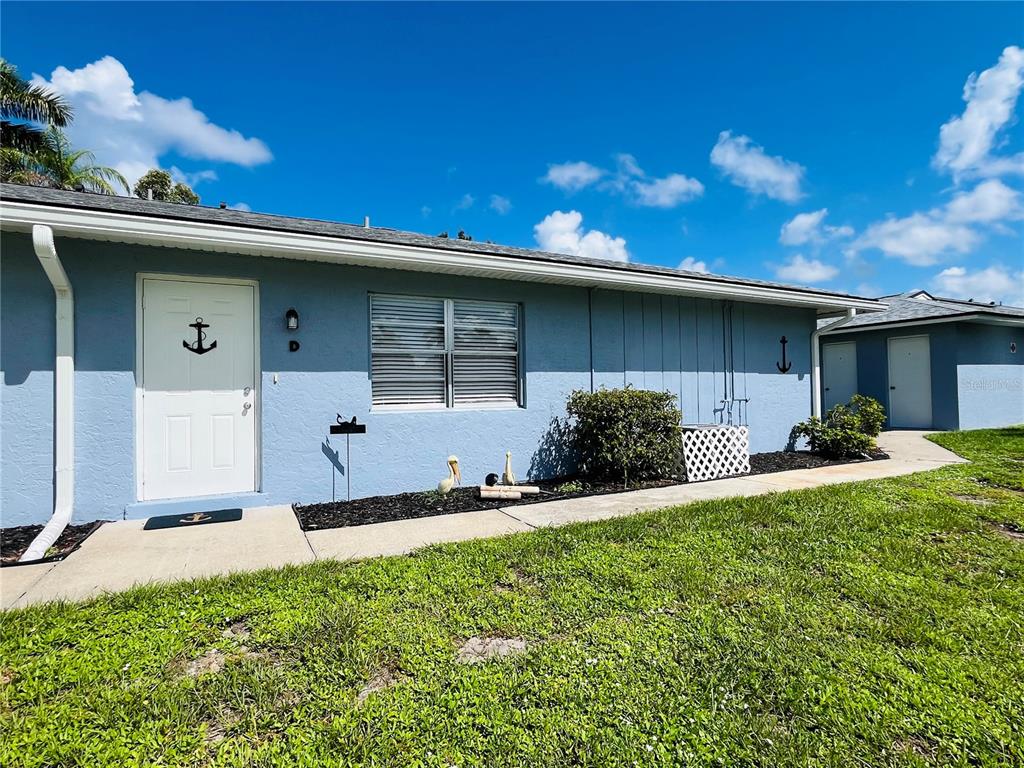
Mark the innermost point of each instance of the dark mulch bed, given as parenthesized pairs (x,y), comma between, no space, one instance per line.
(406,506)
(781,461)
(14,541)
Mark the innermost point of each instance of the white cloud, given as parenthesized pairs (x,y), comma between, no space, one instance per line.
(630,180)
(465,202)
(924,238)
(652,192)
(132,130)
(192,179)
(572,177)
(991,201)
(628,166)
(667,192)
(240,207)
(747,166)
(690,264)
(562,232)
(425,211)
(920,239)
(500,204)
(811,228)
(994,283)
(103,87)
(966,141)
(801,270)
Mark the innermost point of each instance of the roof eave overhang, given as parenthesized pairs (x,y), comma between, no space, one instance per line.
(146,230)
(983,319)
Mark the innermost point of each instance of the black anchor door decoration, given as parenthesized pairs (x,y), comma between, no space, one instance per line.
(784,366)
(197,345)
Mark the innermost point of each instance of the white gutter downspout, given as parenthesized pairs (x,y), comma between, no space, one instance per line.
(64,396)
(816,361)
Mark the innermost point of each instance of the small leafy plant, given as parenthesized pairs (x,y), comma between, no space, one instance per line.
(846,430)
(571,486)
(431,498)
(625,434)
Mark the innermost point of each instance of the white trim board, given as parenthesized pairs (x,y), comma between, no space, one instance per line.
(148,230)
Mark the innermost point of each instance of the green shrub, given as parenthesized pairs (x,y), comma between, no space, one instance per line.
(625,434)
(869,412)
(845,431)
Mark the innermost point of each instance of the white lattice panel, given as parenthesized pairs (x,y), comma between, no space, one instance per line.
(713,451)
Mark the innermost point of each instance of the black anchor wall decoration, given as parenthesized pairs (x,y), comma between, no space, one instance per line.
(784,367)
(197,345)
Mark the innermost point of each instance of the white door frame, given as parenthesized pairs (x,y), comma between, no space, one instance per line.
(888,376)
(140,387)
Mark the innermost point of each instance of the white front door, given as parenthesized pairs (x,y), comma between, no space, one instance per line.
(840,372)
(910,382)
(198,388)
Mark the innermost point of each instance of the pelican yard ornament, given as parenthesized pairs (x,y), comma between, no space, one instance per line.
(508,476)
(454,476)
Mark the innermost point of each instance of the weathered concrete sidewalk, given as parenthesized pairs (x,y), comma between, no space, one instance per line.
(120,555)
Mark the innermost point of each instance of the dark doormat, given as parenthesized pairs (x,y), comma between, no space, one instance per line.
(196,518)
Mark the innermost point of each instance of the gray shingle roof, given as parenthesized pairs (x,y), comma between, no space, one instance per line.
(203,214)
(904,309)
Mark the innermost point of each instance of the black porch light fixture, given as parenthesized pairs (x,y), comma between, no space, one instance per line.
(291,319)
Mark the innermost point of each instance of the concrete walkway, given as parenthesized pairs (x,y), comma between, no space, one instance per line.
(120,555)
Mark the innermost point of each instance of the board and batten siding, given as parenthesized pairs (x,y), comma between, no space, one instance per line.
(570,338)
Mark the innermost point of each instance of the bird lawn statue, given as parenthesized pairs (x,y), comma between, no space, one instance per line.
(454,475)
(508,477)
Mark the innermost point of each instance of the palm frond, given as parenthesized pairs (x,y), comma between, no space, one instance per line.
(15,166)
(78,156)
(101,175)
(57,164)
(20,100)
(20,136)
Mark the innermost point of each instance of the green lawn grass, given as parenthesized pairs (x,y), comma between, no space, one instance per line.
(879,623)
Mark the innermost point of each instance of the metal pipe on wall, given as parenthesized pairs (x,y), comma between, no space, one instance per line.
(590,328)
(64,396)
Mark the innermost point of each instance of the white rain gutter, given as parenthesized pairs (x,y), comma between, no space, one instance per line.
(816,360)
(64,396)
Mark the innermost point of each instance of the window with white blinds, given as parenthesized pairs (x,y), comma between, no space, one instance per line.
(443,352)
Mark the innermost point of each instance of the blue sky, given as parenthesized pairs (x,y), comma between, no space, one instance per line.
(666,134)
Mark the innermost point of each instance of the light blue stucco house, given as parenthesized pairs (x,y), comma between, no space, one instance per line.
(934,363)
(161,358)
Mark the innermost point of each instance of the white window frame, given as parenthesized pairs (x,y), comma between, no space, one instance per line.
(449,359)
